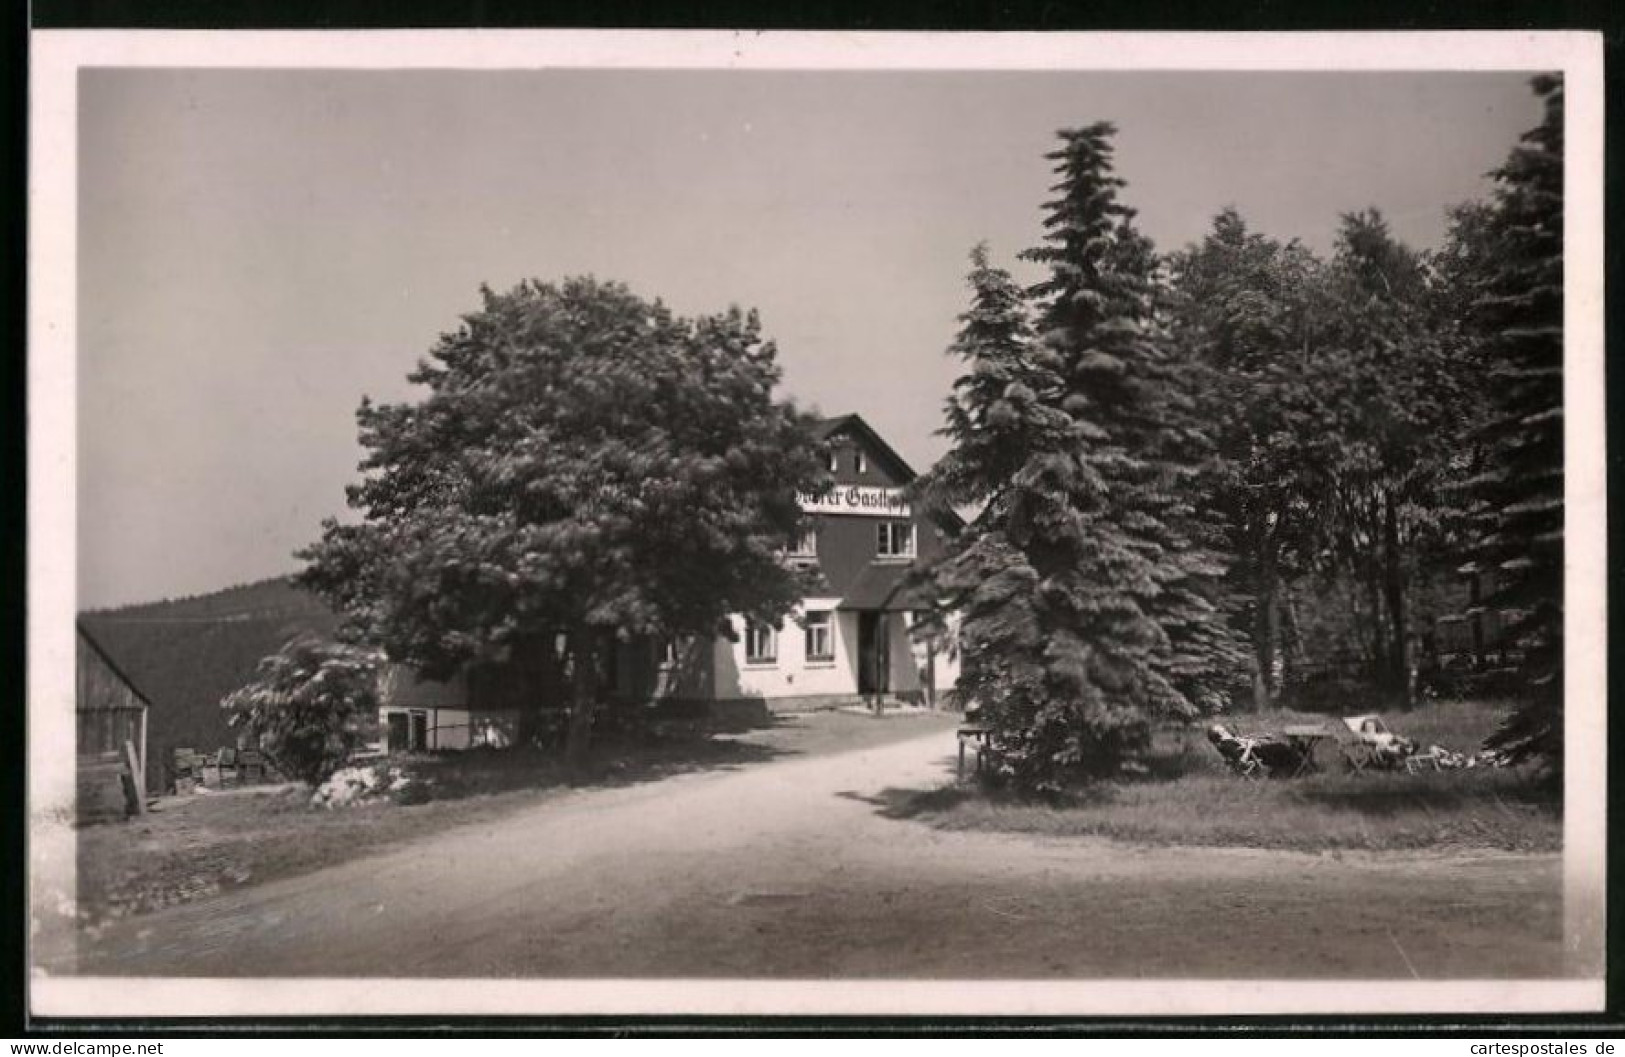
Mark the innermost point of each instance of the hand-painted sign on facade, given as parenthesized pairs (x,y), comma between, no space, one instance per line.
(860,499)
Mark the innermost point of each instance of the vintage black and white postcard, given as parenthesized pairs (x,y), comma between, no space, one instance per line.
(711,523)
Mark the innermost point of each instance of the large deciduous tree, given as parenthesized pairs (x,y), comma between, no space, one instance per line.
(1344,396)
(1087,581)
(1519,315)
(1244,310)
(1392,391)
(584,464)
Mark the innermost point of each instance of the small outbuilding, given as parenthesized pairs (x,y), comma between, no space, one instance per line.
(110,713)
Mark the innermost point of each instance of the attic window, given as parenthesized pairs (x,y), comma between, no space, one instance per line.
(833,465)
(861,463)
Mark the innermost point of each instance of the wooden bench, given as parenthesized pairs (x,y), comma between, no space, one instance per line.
(976,734)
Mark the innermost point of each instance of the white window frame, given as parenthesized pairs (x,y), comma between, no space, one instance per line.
(820,623)
(806,545)
(886,539)
(757,636)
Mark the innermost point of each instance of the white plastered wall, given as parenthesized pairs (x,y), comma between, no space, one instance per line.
(791,674)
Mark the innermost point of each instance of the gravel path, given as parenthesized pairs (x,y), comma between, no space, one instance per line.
(794,868)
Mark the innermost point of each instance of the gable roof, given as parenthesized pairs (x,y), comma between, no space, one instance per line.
(101,652)
(885,588)
(826,428)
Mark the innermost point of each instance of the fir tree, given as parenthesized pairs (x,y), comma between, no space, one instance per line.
(1520,316)
(996,412)
(1000,416)
(1086,584)
(1148,579)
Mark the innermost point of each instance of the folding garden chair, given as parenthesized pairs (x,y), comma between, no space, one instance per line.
(1367,744)
(1240,753)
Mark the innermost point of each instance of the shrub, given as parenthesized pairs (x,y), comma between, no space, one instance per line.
(1043,743)
(413,793)
(312,704)
(623,723)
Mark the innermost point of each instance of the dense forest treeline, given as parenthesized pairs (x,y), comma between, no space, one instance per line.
(1243,472)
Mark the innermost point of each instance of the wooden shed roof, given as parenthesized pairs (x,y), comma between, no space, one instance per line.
(101,653)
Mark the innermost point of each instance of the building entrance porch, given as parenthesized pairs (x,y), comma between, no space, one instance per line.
(874,653)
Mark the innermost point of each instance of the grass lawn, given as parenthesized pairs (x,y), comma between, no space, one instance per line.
(201,844)
(1188,797)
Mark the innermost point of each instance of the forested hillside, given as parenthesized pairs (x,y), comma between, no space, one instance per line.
(186,654)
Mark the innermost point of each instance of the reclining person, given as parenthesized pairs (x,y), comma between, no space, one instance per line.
(1390,746)
(1264,754)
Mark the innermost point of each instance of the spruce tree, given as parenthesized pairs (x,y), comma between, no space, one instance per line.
(1000,416)
(1139,445)
(1086,583)
(996,413)
(1520,316)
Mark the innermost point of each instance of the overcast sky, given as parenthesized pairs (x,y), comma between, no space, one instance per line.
(258,249)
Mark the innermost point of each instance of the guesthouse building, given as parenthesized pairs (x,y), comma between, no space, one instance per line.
(856,636)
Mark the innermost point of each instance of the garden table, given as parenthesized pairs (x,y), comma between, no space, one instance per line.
(1303,740)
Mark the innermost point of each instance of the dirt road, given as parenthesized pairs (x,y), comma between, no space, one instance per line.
(794,869)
